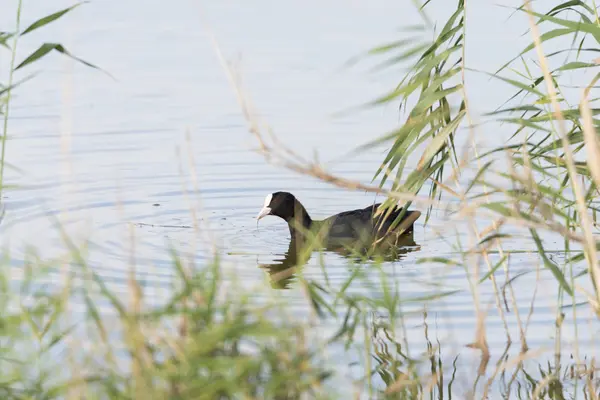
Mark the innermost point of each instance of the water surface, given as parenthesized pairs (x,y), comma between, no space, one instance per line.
(110,159)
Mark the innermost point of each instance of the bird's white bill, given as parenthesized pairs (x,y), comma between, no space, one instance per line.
(263,213)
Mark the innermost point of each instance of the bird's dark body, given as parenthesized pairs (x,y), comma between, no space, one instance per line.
(359,224)
(362,221)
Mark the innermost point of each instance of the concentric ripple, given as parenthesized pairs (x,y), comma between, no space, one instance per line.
(159,158)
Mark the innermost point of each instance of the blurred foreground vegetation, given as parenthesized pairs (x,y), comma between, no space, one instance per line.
(211,339)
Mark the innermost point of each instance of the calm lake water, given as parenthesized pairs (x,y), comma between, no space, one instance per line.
(108,157)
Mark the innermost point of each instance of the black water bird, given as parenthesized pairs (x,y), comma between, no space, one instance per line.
(360,224)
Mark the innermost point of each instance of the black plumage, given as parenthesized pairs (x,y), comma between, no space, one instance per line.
(352,225)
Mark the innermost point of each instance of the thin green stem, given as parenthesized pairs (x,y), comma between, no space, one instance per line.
(9,93)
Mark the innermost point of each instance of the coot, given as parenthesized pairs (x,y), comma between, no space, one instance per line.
(349,225)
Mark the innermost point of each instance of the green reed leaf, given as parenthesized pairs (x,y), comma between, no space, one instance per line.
(576,65)
(558,275)
(587,27)
(494,269)
(4,37)
(49,19)
(46,48)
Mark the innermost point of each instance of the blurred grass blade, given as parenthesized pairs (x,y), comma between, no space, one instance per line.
(441,260)
(427,101)
(6,89)
(575,65)
(4,37)
(587,27)
(550,265)
(528,88)
(592,145)
(494,269)
(46,48)
(568,6)
(440,140)
(49,19)
(435,296)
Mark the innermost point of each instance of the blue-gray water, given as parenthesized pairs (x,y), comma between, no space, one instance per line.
(107,156)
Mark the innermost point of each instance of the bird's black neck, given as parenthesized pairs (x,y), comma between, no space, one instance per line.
(300,222)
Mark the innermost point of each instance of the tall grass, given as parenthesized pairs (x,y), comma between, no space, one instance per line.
(10,41)
(542,183)
(211,339)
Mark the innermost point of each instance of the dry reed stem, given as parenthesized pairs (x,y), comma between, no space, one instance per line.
(195,209)
(592,146)
(273,154)
(66,177)
(497,242)
(405,382)
(590,243)
(279,154)
(141,359)
(475,205)
(512,362)
(183,322)
(276,155)
(194,179)
(542,384)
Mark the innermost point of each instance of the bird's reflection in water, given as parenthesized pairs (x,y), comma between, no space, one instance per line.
(283,270)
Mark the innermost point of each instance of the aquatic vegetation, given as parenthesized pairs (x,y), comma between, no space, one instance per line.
(210,338)
(9,40)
